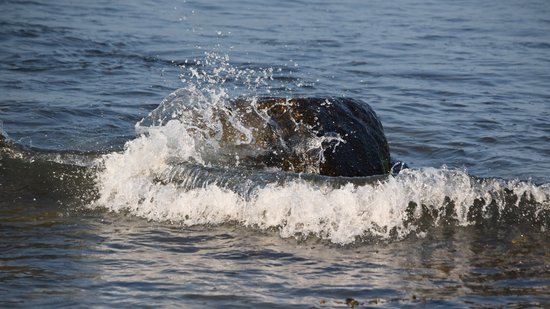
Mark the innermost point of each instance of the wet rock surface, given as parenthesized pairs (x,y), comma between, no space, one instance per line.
(328,136)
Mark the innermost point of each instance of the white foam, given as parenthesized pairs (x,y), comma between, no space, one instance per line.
(129,182)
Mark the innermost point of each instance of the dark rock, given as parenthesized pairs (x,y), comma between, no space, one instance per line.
(329,136)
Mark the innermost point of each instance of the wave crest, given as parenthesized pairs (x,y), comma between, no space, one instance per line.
(145,182)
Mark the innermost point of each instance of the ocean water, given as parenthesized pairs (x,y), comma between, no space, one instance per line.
(114,192)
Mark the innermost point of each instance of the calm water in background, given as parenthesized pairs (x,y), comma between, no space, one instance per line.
(460,84)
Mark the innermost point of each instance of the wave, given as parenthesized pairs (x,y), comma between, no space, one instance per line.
(180,169)
(66,178)
(158,177)
(333,208)
(163,175)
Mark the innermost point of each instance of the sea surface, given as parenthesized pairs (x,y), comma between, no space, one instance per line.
(110,198)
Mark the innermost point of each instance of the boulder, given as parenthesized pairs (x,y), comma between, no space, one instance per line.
(328,136)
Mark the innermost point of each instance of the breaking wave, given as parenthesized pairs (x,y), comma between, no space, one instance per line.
(181,172)
(177,171)
(144,182)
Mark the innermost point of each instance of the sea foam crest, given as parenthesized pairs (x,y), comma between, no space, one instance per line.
(173,172)
(299,208)
(134,181)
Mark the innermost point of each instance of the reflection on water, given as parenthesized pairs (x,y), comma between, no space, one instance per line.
(56,255)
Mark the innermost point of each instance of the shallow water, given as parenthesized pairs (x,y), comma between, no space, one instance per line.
(91,214)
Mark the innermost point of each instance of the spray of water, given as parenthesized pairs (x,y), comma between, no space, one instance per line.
(182,169)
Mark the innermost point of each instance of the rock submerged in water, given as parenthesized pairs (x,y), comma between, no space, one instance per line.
(328,136)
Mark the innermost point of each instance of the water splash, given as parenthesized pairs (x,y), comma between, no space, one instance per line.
(393,207)
(178,169)
(231,131)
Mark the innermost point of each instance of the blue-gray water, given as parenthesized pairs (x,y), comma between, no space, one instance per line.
(462,89)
